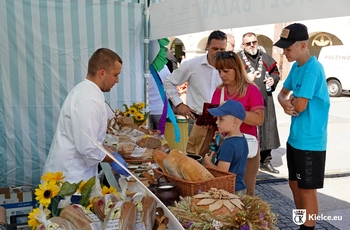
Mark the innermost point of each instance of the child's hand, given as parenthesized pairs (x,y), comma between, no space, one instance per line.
(208,157)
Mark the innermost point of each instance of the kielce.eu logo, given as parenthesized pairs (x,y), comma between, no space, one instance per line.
(299,216)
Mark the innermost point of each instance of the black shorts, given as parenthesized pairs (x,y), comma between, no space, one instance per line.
(307,167)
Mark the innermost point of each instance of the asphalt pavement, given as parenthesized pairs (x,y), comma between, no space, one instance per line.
(334,198)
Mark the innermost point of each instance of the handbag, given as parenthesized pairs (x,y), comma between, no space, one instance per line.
(199,139)
(206,118)
(252,141)
(253,145)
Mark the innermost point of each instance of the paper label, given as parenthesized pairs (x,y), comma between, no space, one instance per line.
(140,226)
(138,152)
(112,224)
(96,225)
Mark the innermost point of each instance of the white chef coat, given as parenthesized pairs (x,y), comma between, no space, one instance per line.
(71,151)
(202,81)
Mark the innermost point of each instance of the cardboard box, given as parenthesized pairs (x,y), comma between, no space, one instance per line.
(17,201)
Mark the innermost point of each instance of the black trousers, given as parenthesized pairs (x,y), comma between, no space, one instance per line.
(265,156)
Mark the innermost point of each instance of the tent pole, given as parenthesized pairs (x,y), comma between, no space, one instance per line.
(146,45)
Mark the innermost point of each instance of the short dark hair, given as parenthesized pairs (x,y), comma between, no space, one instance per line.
(249,34)
(102,58)
(216,34)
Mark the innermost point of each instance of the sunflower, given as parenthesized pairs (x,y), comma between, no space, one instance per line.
(36,215)
(139,117)
(58,177)
(141,105)
(133,110)
(33,222)
(46,191)
(110,190)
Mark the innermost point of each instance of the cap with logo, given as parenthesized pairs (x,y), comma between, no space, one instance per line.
(229,107)
(291,34)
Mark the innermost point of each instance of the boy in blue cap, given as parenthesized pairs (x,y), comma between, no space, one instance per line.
(233,151)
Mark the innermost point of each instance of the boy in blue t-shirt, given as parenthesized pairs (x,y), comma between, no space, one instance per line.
(232,153)
(308,106)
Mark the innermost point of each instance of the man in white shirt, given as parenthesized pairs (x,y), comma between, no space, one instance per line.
(72,152)
(201,76)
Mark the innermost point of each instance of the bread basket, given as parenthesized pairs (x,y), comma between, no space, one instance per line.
(221,180)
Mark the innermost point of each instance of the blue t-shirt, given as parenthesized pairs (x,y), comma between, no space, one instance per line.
(308,131)
(235,150)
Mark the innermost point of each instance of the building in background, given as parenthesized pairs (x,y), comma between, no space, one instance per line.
(322,32)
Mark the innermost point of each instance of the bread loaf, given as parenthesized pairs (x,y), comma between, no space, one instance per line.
(125,138)
(159,156)
(101,205)
(124,120)
(80,217)
(172,167)
(177,164)
(127,216)
(148,212)
(150,142)
(177,153)
(192,170)
(125,149)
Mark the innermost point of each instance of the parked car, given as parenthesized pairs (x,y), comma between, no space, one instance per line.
(336,64)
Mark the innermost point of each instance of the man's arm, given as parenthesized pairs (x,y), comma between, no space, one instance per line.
(299,103)
(286,102)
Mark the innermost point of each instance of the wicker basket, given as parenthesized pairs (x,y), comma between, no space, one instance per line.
(222,180)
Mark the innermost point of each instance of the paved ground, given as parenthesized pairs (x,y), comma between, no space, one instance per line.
(334,198)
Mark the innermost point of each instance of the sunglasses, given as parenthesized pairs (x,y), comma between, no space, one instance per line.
(226,54)
(251,43)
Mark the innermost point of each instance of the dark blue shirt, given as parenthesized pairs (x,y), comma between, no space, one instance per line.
(235,151)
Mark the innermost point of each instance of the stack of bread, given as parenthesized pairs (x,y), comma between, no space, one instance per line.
(179,165)
(132,141)
(110,213)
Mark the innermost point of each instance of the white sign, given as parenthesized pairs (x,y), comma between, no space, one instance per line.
(177,17)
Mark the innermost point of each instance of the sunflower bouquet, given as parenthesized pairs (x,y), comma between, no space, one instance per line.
(136,111)
(54,194)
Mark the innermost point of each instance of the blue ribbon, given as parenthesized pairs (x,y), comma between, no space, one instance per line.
(171,114)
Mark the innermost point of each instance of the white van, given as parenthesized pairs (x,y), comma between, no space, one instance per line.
(336,64)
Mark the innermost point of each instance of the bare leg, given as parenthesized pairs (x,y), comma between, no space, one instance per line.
(305,199)
(310,203)
(293,184)
(251,172)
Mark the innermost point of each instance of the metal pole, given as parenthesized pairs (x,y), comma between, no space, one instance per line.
(146,44)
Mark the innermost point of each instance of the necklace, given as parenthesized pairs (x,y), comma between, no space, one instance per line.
(257,73)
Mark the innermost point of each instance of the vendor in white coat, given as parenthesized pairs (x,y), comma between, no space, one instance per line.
(72,152)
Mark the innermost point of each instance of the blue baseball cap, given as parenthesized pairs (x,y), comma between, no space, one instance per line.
(229,107)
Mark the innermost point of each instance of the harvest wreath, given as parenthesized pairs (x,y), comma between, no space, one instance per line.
(219,209)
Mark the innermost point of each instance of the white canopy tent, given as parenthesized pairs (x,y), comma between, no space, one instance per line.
(172,17)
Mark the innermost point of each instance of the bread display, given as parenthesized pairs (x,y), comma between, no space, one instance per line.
(134,141)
